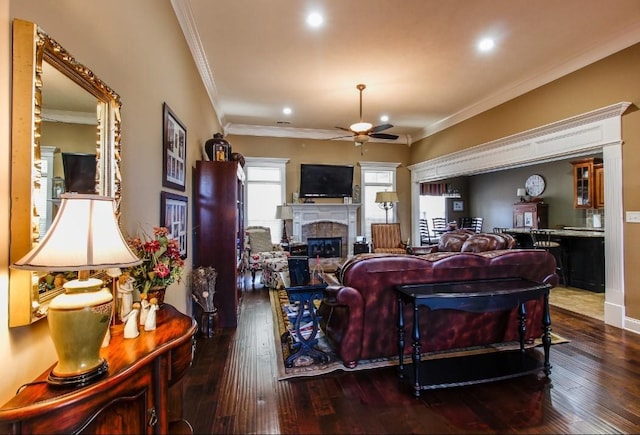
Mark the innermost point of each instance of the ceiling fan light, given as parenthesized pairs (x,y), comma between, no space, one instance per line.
(360,127)
(360,139)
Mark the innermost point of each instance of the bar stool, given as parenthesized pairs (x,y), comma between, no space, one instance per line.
(542,240)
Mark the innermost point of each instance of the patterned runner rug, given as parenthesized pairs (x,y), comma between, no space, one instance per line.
(305,366)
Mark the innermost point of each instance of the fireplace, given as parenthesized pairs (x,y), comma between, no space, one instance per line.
(325,247)
(326,221)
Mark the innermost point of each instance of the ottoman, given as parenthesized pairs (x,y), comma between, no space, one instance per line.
(272,272)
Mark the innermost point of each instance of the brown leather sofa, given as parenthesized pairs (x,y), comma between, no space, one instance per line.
(464,240)
(359,314)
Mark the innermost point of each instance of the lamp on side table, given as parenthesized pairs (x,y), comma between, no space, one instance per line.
(84,236)
(284,212)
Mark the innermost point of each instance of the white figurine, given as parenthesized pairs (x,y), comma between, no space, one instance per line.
(150,323)
(144,308)
(131,325)
(125,292)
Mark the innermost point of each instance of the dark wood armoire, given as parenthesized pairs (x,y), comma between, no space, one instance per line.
(218,235)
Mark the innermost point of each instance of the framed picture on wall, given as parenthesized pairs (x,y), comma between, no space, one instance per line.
(458,205)
(174,141)
(173,215)
(528,219)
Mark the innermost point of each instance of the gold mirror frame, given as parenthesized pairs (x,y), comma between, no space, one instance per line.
(31,47)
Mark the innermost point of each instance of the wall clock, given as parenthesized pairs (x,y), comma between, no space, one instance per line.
(535,185)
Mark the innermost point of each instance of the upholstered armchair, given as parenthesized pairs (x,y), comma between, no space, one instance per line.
(385,238)
(259,248)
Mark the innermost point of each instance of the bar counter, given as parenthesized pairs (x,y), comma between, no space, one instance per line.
(582,254)
(567,232)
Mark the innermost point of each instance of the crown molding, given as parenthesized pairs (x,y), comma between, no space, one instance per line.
(184,14)
(69,117)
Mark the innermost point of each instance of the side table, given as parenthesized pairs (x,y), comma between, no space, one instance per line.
(360,248)
(304,296)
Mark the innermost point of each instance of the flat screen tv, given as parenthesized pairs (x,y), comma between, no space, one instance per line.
(325,181)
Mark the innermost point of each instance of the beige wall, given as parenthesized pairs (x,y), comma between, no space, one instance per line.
(611,80)
(138,49)
(332,152)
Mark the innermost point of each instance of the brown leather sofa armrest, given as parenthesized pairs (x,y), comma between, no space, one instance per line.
(331,294)
(344,295)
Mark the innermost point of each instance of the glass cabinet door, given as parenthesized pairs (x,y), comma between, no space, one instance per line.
(584,183)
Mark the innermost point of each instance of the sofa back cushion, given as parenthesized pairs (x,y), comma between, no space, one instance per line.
(452,241)
(488,242)
(467,241)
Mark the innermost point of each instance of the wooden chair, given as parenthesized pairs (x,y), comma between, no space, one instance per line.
(386,238)
(439,225)
(476,224)
(425,236)
(465,222)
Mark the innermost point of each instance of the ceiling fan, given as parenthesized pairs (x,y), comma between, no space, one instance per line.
(362,131)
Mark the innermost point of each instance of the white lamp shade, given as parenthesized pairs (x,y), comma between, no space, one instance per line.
(83,236)
(360,127)
(284,212)
(386,197)
(521,191)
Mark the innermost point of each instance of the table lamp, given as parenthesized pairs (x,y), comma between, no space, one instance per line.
(284,212)
(385,200)
(521,192)
(84,236)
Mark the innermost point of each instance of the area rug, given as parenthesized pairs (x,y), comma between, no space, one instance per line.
(305,366)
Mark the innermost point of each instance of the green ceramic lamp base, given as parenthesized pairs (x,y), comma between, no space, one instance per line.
(80,380)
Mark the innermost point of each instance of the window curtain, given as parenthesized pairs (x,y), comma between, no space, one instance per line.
(434,189)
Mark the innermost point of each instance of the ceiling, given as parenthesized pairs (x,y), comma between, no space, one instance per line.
(418,58)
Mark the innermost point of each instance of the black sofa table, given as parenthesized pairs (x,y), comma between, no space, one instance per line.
(474,296)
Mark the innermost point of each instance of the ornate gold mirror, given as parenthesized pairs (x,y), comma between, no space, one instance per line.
(59,107)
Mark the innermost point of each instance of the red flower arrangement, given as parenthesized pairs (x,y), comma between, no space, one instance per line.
(161,262)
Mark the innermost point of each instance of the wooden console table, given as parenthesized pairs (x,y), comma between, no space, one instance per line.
(474,296)
(141,392)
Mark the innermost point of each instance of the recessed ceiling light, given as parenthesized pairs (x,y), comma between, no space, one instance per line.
(314,19)
(287,111)
(384,118)
(486,44)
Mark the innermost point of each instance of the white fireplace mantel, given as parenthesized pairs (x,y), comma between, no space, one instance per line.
(345,214)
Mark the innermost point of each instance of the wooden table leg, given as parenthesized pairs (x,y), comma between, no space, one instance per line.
(416,351)
(546,333)
(400,338)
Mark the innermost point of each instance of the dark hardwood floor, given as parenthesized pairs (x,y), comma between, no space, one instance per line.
(233,388)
